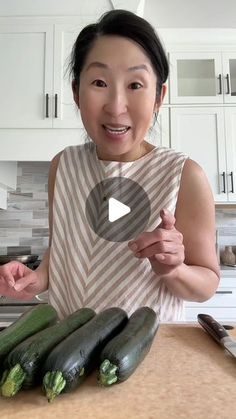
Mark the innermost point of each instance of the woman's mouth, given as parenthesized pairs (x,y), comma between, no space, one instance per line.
(116,130)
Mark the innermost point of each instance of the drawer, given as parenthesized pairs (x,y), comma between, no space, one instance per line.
(224,297)
(219,313)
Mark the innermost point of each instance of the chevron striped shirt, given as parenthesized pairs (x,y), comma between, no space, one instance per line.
(87,270)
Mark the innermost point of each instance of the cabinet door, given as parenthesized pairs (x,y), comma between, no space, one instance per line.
(230,132)
(25,75)
(196,77)
(221,314)
(199,132)
(67,115)
(229,77)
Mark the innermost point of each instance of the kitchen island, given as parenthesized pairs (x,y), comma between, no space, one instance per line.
(185,375)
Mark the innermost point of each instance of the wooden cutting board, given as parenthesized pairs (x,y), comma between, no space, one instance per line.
(185,375)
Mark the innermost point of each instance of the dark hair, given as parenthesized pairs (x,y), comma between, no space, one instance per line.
(128,25)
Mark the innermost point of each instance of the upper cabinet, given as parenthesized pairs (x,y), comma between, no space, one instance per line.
(203,77)
(66,114)
(34,81)
(207,135)
(26,75)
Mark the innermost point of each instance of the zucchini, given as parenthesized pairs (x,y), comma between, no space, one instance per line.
(122,355)
(77,355)
(22,365)
(30,322)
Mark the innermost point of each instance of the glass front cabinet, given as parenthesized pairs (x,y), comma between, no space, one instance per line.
(202,77)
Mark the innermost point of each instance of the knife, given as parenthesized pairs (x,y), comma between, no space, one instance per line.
(218,332)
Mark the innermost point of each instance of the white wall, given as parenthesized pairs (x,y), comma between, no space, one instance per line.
(161,13)
(191,13)
(53,7)
(65,7)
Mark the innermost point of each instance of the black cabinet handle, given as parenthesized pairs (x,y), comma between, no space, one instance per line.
(224,190)
(228,84)
(224,292)
(56,105)
(47,105)
(232,181)
(220,84)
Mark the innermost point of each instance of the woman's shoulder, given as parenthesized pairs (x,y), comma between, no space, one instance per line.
(65,154)
(166,156)
(170,152)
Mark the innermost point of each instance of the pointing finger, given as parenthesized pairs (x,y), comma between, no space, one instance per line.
(168,220)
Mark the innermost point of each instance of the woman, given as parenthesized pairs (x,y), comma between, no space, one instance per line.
(119,71)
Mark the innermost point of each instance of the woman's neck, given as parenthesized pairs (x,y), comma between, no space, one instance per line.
(144,149)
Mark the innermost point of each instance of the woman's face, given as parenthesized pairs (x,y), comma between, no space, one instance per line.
(117,97)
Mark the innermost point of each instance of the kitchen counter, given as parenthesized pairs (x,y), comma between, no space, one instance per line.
(185,375)
(227,269)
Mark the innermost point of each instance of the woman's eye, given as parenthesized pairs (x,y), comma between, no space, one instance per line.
(99,83)
(135,86)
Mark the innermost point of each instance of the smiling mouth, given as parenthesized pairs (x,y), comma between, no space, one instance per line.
(116,130)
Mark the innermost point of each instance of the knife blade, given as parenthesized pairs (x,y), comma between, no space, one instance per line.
(217,332)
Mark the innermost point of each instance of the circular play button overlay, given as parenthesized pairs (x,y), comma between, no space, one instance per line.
(118,209)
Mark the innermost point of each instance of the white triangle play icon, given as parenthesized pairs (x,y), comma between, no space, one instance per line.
(116,209)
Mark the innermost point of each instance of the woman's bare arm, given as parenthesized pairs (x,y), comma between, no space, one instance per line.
(197,277)
(181,249)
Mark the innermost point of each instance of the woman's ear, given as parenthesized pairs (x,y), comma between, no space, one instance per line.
(163,92)
(75,90)
(161,98)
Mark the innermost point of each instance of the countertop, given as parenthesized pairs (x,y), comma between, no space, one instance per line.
(185,375)
(229,269)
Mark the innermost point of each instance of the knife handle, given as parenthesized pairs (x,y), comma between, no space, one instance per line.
(216,330)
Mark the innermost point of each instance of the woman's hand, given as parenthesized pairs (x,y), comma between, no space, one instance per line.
(163,246)
(18,281)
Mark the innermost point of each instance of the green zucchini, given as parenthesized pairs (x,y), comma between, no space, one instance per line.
(122,355)
(30,322)
(77,355)
(22,365)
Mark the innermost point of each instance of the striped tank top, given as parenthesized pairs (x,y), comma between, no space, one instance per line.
(87,270)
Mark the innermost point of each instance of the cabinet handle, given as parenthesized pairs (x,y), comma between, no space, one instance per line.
(224,292)
(56,105)
(232,181)
(224,190)
(220,84)
(228,84)
(47,107)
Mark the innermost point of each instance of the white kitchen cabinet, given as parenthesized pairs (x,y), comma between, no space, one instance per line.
(35,88)
(229,74)
(202,77)
(207,135)
(34,77)
(66,114)
(26,75)
(222,306)
(230,134)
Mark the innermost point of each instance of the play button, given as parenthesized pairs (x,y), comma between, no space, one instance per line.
(118,209)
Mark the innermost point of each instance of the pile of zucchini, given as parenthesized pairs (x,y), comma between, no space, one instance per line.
(39,350)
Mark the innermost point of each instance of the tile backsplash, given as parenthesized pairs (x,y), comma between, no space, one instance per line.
(226,227)
(24,225)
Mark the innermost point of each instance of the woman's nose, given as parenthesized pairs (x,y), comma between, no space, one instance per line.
(116,103)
